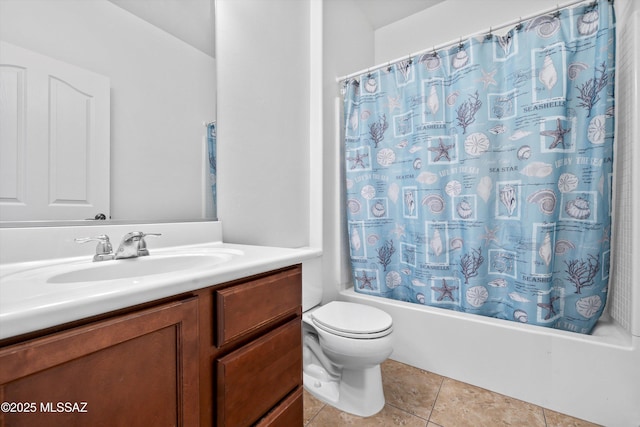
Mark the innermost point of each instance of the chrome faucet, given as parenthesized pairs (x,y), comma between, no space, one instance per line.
(133,245)
(104,250)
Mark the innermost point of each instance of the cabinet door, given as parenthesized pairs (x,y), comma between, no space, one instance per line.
(138,369)
(253,379)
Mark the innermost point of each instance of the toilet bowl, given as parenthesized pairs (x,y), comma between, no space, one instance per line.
(343,346)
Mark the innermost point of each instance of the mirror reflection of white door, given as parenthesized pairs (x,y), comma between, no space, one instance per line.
(54,138)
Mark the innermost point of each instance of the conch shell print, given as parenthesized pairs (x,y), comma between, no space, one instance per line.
(578,208)
(432,101)
(545,26)
(436,243)
(427,178)
(588,23)
(354,119)
(371,85)
(435,202)
(520,316)
(356,243)
(431,61)
(508,198)
(464,209)
(409,202)
(537,169)
(545,251)
(484,188)
(460,59)
(393,191)
(548,75)
(575,68)
(545,199)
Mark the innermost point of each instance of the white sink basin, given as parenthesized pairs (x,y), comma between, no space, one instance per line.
(139,267)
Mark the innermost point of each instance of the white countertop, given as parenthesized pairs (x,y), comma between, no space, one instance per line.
(28,305)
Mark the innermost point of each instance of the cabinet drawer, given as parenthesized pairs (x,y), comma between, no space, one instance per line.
(254,378)
(249,306)
(290,412)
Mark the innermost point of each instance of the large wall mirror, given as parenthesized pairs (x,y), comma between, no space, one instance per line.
(158,60)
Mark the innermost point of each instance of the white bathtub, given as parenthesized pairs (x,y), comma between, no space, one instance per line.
(594,377)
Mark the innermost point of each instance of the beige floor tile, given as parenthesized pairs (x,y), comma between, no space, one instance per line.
(389,416)
(556,419)
(460,405)
(311,406)
(410,389)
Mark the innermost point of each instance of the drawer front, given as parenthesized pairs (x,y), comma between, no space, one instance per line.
(249,306)
(254,378)
(289,413)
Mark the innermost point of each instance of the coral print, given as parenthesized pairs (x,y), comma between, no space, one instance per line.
(478,176)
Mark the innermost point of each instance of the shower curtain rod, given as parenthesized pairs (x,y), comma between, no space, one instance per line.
(451,43)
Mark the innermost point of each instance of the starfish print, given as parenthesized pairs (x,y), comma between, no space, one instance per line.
(358,160)
(366,280)
(393,102)
(490,235)
(552,311)
(445,291)
(442,150)
(558,135)
(487,78)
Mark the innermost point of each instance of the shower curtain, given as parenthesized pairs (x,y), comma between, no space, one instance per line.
(211,150)
(479,177)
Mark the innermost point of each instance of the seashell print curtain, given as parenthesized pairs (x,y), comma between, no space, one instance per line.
(479,177)
(211,150)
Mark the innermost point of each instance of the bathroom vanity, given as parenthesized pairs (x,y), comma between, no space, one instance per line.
(219,347)
(225,355)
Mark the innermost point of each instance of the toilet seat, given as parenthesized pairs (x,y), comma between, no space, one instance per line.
(352,320)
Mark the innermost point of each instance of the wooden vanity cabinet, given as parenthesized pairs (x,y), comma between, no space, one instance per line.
(227,355)
(251,351)
(134,369)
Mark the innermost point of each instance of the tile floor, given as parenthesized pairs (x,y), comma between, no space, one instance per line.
(417,398)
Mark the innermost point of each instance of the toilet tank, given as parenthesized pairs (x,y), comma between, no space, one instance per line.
(311,287)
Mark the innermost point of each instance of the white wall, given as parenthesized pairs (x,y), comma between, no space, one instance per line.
(162,89)
(263,54)
(348,46)
(448,21)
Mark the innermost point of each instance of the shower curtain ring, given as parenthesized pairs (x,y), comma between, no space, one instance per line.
(460,45)
(489,34)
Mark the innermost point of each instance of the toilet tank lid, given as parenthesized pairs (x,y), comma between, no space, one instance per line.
(351,317)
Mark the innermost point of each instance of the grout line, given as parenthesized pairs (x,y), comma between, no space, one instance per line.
(435,401)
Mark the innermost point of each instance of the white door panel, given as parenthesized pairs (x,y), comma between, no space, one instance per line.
(54,138)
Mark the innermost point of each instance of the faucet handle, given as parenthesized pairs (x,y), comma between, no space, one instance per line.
(104,250)
(142,245)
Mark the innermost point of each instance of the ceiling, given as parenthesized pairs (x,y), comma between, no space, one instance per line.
(384,12)
(192,21)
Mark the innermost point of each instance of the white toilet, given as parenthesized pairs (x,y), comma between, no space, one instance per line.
(343,346)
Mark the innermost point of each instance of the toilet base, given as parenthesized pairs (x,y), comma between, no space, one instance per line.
(358,391)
